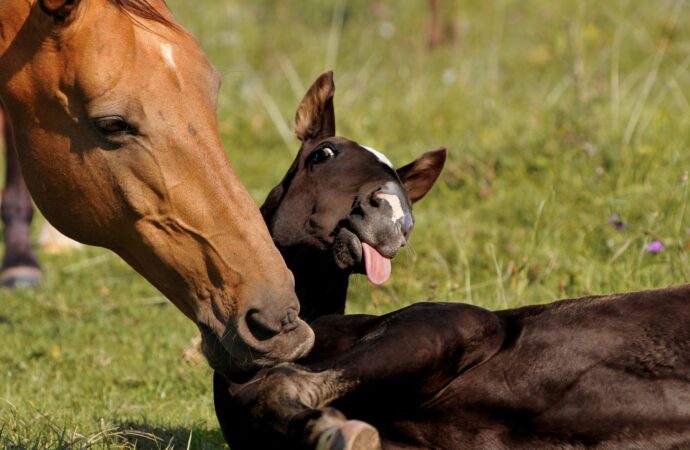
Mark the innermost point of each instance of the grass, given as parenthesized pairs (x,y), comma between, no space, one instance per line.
(556,115)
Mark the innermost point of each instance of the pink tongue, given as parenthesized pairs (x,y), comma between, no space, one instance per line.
(378,267)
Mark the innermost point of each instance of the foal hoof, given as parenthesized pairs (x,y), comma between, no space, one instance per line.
(20,277)
(351,435)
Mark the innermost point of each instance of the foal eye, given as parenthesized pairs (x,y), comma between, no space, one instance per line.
(321,155)
(114,126)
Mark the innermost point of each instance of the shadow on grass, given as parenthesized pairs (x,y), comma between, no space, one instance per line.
(123,436)
(144,436)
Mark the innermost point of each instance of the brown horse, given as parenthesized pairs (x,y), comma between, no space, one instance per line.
(113,106)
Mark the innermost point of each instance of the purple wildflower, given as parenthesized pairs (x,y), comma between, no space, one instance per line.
(655,246)
(617,222)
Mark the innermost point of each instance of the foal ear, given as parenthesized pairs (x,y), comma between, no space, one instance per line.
(418,176)
(315,118)
(59,10)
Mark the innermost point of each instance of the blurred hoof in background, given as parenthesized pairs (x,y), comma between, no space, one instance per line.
(53,242)
(352,435)
(20,277)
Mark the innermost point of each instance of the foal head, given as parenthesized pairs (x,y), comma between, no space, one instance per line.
(114,108)
(342,204)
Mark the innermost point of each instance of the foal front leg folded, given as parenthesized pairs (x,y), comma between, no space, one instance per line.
(383,364)
(294,402)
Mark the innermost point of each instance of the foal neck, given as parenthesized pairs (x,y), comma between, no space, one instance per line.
(320,285)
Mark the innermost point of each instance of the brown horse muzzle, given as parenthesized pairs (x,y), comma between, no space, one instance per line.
(263,336)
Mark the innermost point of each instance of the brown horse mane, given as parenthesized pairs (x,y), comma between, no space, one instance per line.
(144,10)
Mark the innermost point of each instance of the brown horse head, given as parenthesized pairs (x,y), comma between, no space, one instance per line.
(114,108)
(341,203)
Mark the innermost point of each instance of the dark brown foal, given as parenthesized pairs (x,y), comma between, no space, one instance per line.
(594,372)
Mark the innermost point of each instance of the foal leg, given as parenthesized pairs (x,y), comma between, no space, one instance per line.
(283,421)
(285,407)
(388,364)
(19,266)
(294,402)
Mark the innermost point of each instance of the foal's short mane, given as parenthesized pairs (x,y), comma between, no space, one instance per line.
(143,9)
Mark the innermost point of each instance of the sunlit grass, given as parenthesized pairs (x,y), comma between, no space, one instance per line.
(557,115)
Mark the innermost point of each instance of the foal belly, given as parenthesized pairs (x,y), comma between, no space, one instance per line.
(466,427)
(489,407)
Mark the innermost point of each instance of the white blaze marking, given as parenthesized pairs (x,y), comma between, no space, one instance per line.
(394,201)
(166,49)
(380,156)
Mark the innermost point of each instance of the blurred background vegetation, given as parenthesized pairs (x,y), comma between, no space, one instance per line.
(568,129)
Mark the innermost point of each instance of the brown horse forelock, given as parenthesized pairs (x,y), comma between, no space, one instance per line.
(143,9)
(158,190)
(137,8)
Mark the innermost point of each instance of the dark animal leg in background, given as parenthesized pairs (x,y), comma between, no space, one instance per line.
(433,31)
(19,266)
(441,28)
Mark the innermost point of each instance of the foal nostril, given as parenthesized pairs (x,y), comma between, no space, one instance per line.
(406,225)
(374,201)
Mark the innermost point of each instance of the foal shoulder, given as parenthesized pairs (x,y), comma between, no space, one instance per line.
(426,343)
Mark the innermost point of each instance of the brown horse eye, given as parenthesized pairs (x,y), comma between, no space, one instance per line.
(113,125)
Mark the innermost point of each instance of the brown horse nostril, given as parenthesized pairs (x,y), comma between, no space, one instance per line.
(260,327)
(265,326)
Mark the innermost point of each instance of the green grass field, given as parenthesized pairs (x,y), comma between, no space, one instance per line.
(557,115)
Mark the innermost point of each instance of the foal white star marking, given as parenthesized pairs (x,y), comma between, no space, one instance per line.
(392,199)
(380,156)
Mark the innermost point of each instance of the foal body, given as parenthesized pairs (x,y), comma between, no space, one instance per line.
(603,371)
(595,372)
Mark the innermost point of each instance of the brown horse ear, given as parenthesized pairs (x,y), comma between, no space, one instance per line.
(59,10)
(315,118)
(418,176)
